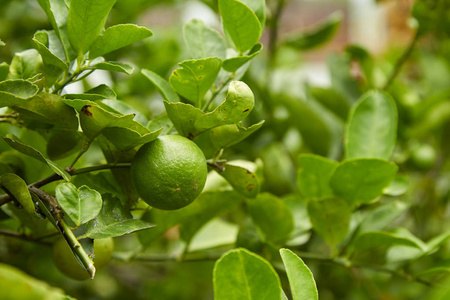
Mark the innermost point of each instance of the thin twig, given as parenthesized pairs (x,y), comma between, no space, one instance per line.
(22,236)
(402,60)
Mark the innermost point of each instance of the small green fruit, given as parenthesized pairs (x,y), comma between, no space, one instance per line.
(170,172)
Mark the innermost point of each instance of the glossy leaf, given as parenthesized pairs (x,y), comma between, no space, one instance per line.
(362,180)
(228,135)
(372,127)
(317,36)
(241,179)
(301,280)
(240,23)
(183,117)
(49,108)
(202,41)
(99,92)
(14,92)
(195,78)
(302,224)
(86,21)
(259,8)
(162,85)
(272,216)
(330,218)
(122,131)
(30,151)
(116,37)
(57,12)
(81,205)
(113,220)
(25,64)
(53,65)
(18,188)
(242,275)
(313,176)
(237,106)
(234,63)
(113,66)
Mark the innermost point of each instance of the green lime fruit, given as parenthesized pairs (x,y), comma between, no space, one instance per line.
(169,172)
(68,264)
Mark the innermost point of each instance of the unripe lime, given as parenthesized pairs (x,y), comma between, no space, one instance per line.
(424,157)
(69,266)
(169,172)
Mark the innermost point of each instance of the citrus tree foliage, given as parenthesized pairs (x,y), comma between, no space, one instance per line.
(345,186)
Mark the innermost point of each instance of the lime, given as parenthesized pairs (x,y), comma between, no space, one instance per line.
(68,264)
(169,172)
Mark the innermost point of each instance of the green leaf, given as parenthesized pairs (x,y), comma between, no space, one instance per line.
(228,135)
(380,217)
(49,108)
(301,280)
(13,92)
(341,76)
(317,36)
(99,92)
(81,205)
(272,216)
(162,85)
(183,117)
(313,120)
(192,217)
(241,179)
(122,131)
(362,180)
(62,143)
(122,108)
(195,78)
(202,41)
(234,63)
(126,138)
(302,224)
(2,43)
(116,37)
(30,151)
(240,24)
(369,240)
(330,218)
(18,188)
(259,8)
(53,65)
(398,186)
(242,275)
(313,176)
(25,65)
(332,100)
(16,284)
(86,21)
(113,220)
(237,106)
(57,12)
(4,70)
(113,66)
(365,61)
(372,127)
